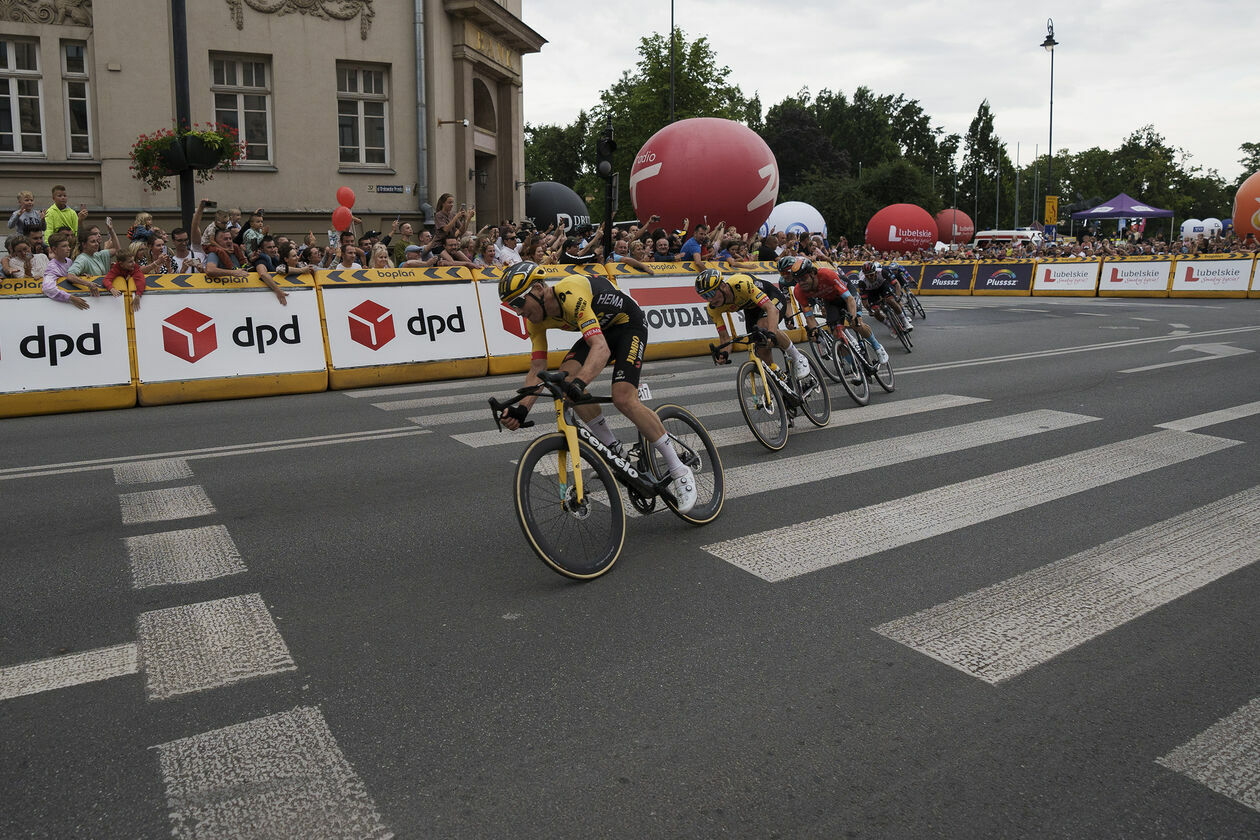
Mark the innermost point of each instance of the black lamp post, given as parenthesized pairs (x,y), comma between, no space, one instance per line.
(1049,44)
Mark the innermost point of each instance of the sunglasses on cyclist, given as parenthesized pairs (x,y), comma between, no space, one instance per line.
(711,294)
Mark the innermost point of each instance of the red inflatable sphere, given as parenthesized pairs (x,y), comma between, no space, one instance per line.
(1247,208)
(901,227)
(707,170)
(345,196)
(342,217)
(954,227)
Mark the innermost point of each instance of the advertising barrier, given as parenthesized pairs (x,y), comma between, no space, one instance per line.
(55,357)
(401,325)
(1218,275)
(209,338)
(677,318)
(507,341)
(1067,277)
(947,278)
(1004,277)
(1135,277)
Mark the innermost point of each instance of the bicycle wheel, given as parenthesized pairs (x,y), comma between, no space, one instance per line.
(763,410)
(822,347)
(853,373)
(883,370)
(815,401)
(917,305)
(898,328)
(578,540)
(695,449)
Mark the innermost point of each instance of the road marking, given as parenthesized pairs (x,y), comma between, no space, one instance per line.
(1213,351)
(1063,351)
(1151,320)
(787,552)
(1212,418)
(1094,314)
(152,472)
(210,452)
(194,647)
(819,466)
(165,504)
(741,434)
(1225,757)
(278,776)
(1003,630)
(473,414)
(68,670)
(184,556)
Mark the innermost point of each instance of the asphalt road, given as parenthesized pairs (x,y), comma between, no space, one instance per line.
(1020,602)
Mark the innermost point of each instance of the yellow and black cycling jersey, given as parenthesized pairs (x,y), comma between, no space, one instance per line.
(745,295)
(587,305)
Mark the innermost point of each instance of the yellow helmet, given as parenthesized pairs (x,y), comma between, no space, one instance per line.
(708,280)
(517,280)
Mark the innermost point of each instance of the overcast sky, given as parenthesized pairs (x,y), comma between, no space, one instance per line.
(1188,68)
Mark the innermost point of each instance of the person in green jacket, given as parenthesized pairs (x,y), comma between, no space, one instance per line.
(60,216)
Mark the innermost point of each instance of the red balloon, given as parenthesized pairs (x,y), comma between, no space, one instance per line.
(901,227)
(1247,207)
(345,196)
(342,217)
(707,170)
(954,226)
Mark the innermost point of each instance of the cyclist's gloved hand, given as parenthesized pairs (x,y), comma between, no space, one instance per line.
(517,412)
(575,389)
(721,357)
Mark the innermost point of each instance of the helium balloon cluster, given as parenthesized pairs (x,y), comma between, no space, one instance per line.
(342,217)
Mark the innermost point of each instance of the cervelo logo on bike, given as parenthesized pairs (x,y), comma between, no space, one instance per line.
(607,453)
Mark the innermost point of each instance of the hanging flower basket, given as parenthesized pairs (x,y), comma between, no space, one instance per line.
(205,149)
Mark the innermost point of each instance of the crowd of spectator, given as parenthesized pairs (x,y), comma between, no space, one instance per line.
(57,245)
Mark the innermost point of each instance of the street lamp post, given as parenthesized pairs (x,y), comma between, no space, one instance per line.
(1052,200)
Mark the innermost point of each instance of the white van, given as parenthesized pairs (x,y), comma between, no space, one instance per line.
(1028,236)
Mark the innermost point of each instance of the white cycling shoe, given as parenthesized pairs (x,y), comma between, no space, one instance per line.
(883,354)
(683,488)
(800,367)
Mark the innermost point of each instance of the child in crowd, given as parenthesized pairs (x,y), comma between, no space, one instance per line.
(251,237)
(26,218)
(142,229)
(59,215)
(127,264)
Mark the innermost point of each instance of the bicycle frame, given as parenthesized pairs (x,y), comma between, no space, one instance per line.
(757,336)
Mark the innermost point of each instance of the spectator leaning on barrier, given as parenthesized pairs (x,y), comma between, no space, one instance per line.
(621,254)
(290,263)
(58,215)
(414,256)
(265,262)
(380,257)
(93,260)
(21,261)
(127,265)
(26,218)
(59,267)
(184,259)
(451,255)
(224,258)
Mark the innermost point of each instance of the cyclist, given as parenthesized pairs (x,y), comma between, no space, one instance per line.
(613,329)
(876,283)
(763,305)
(809,282)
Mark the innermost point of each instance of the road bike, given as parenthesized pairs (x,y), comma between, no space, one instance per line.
(894,321)
(567,502)
(863,351)
(771,395)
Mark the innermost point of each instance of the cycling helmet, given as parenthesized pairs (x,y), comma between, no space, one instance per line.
(799,268)
(784,265)
(871,268)
(707,281)
(517,280)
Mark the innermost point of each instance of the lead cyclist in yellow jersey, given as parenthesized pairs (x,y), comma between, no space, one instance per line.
(762,304)
(612,328)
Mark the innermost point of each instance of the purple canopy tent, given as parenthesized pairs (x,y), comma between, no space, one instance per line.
(1123,207)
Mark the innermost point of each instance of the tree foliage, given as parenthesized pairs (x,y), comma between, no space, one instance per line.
(848,156)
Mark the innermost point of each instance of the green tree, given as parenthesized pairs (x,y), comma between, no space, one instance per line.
(799,143)
(986,175)
(1250,162)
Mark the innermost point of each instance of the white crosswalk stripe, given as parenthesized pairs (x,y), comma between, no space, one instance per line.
(184,556)
(1225,757)
(798,549)
(1006,629)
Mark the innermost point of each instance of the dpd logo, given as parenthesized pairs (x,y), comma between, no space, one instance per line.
(189,334)
(57,346)
(371,325)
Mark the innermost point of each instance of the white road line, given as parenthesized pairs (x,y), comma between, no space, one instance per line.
(1003,630)
(209,452)
(798,549)
(278,776)
(1094,314)
(472,414)
(1225,757)
(1151,320)
(199,646)
(850,415)
(165,504)
(184,556)
(152,472)
(68,670)
(832,463)
(1212,418)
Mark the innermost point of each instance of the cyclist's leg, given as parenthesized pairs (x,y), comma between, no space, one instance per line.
(590,413)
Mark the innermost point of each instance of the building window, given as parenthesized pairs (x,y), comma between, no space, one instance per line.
(21,105)
(242,99)
(362,115)
(74,80)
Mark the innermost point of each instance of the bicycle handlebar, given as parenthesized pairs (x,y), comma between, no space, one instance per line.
(552,383)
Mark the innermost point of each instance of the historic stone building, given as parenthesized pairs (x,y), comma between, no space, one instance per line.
(401,100)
